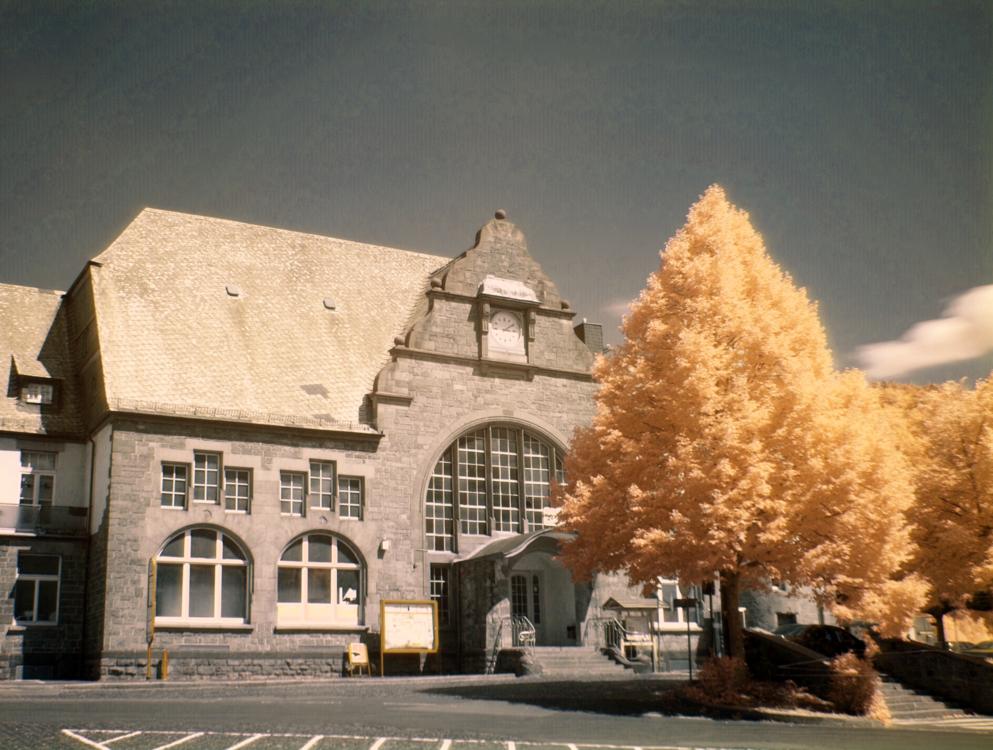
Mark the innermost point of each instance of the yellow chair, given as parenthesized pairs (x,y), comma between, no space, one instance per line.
(358,659)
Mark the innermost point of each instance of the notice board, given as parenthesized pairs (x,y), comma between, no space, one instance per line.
(409,626)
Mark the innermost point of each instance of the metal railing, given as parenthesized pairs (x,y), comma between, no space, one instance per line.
(524,634)
(604,632)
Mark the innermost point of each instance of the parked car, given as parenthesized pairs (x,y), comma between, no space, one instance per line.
(829,640)
(789,629)
(980,649)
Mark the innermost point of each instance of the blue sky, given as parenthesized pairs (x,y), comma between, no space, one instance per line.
(857,135)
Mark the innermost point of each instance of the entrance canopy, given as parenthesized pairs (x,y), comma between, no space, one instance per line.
(511,547)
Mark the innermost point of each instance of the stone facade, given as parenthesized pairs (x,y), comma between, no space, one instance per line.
(481,346)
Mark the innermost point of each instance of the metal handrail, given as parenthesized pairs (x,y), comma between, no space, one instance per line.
(491,661)
(524,633)
(608,632)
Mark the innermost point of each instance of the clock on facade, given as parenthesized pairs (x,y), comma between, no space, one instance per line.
(506,331)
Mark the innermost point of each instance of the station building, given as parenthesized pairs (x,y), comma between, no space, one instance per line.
(265,433)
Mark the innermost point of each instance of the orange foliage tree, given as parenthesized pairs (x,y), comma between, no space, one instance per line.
(953,510)
(725,442)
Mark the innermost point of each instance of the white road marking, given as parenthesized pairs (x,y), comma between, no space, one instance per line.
(180,741)
(122,737)
(90,743)
(247,741)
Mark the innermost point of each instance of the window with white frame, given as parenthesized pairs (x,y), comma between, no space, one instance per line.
(237,490)
(322,485)
(38,393)
(350,492)
(502,472)
(668,591)
(201,578)
(292,491)
(319,584)
(206,477)
(174,485)
(37,477)
(36,592)
(439,590)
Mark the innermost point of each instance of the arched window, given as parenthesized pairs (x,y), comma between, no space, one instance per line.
(320,581)
(493,479)
(201,578)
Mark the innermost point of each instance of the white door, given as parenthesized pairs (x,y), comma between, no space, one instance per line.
(527,600)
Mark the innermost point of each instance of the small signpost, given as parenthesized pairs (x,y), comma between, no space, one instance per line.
(686,605)
(407,626)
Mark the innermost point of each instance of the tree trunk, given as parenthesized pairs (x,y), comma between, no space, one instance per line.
(734,636)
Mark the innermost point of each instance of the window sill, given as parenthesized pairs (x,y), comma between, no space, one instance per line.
(244,627)
(677,627)
(312,628)
(24,627)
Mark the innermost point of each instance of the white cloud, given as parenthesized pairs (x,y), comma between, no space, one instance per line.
(619,308)
(964,332)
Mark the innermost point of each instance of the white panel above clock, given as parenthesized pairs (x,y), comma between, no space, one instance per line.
(509,289)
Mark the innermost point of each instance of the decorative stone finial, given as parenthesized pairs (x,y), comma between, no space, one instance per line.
(565,304)
(436,283)
(500,214)
(398,340)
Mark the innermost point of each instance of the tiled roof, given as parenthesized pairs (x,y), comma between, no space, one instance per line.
(214,318)
(33,343)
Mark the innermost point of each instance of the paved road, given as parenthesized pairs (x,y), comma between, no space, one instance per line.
(418,714)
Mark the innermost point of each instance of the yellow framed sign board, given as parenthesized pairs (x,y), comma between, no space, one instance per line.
(407,626)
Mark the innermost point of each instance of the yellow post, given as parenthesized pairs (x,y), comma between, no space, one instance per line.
(165,664)
(148,661)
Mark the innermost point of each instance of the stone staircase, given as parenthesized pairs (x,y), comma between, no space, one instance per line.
(906,703)
(576,660)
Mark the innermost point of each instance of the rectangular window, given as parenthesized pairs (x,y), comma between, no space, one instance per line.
(439,590)
(36,593)
(38,393)
(206,477)
(292,492)
(322,485)
(350,497)
(439,509)
(37,477)
(504,478)
(667,593)
(537,475)
(472,483)
(174,478)
(237,490)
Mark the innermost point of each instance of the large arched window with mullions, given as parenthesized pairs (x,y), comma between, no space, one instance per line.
(320,584)
(201,578)
(497,478)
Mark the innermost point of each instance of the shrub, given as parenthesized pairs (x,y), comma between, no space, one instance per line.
(724,679)
(853,685)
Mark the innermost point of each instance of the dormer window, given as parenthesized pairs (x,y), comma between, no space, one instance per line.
(38,392)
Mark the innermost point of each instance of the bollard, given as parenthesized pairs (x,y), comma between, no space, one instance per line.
(164,664)
(148,662)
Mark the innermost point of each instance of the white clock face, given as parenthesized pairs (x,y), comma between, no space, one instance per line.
(505,330)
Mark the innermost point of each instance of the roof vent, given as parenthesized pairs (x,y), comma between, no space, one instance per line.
(328,303)
(233,290)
